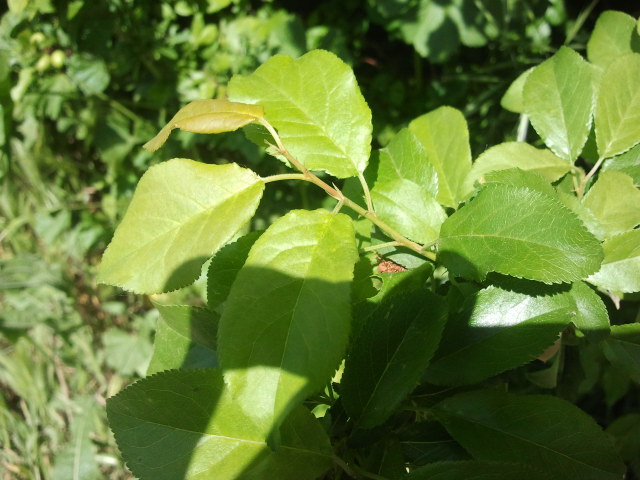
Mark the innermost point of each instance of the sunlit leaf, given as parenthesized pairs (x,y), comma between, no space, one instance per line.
(512,99)
(620,271)
(614,35)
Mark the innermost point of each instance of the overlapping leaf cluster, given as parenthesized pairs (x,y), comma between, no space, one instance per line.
(403,323)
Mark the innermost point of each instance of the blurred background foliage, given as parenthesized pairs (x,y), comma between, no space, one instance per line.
(84,83)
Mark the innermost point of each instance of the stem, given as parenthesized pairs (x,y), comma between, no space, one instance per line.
(523,127)
(588,176)
(373,248)
(337,194)
(284,176)
(580,21)
(367,193)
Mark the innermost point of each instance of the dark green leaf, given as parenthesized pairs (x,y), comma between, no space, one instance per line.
(520,232)
(475,470)
(547,433)
(498,330)
(622,349)
(429,442)
(390,354)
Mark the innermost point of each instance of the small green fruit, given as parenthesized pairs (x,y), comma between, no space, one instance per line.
(58,58)
(43,63)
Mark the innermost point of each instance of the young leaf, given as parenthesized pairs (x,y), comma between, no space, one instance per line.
(186,424)
(498,330)
(315,104)
(285,325)
(185,338)
(520,232)
(475,470)
(518,155)
(614,35)
(390,354)
(558,96)
(615,201)
(512,99)
(617,115)
(547,433)
(444,135)
(224,267)
(181,213)
(620,271)
(207,116)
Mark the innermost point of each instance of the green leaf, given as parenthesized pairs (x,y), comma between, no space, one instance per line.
(620,271)
(617,115)
(207,116)
(185,338)
(285,325)
(428,442)
(592,318)
(475,470)
(558,96)
(89,73)
(498,330)
(127,353)
(614,35)
(390,354)
(181,213)
(614,200)
(315,104)
(518,155)
(587,217)
(622,349)
(627,162)
(185,424)
(512,99)
(626,431)
(521,178)
(445,137)
(544,432)
(224,267)
(520,232)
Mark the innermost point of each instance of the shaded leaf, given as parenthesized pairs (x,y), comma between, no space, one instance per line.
(285,325)
(545,432)
(429,442)
(498,330)
(181,213)
(186,424)
(390,354)
(476,470)
(622,349)
(127,353)
(617,115)
(207,116)
(615,201)
(520,232)
(315,104)
(614,35)
(445,137)
(558,96)
(626,431)
(512,99)
(620,271)
(185,338)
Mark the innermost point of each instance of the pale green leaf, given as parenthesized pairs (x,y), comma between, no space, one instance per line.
(620,271)
(498,330)
(627,162)
(315,104)
(207,116)
(622,349)
(127,353)
(614,35)
(224,267)
(617,115)
(512,99)
(389,355)
(285,325)
(521,178)
(185,338)
(520,232)
(615,201)
(591,317)
(545,432)
(558,96)
(518,155)
(181,213)
(444,135)
(186,424)
(475,470)
(585,215)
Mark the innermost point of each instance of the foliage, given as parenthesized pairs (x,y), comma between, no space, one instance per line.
(456,312)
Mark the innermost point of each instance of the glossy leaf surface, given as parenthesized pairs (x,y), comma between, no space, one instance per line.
(558,96)
(545,432)
(185,424)
(620,271)
(315,104)
(390,354)
(498,330)
(445,137)
(285,325)
(207,116)
(181,213)
(615,201)
(185,338)
(520,232)
(617,116)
